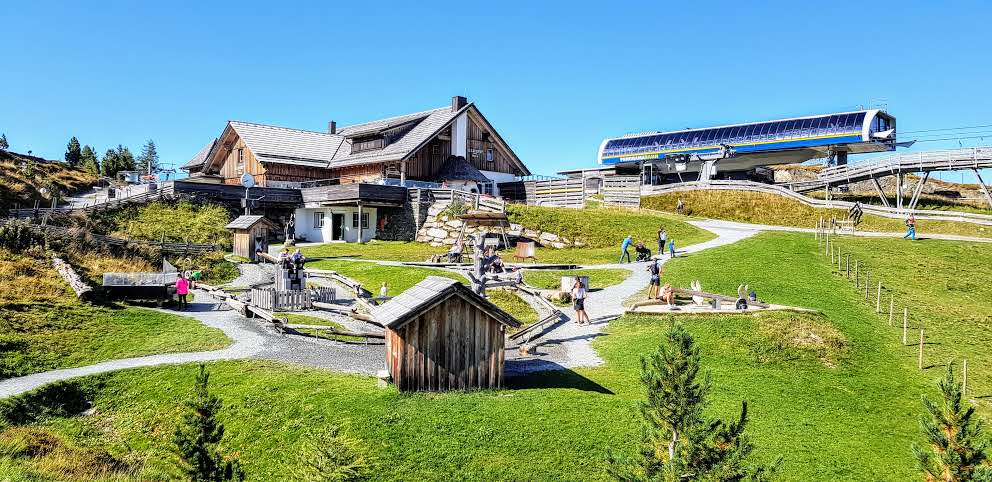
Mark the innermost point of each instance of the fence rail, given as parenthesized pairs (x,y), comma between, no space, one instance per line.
(163,191)
(569,193)
(622,191)
(475,200)
(277,300)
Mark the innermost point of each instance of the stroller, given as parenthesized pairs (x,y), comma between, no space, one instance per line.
(643,253)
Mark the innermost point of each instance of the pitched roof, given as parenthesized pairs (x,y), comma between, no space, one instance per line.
(288,146)
(245,222)
(426,294)
(456,168)
(200,156)
(381,124)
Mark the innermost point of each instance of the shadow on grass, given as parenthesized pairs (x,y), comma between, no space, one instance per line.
(553,378)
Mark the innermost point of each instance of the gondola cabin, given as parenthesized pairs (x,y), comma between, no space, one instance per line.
(440,335)
(251,235)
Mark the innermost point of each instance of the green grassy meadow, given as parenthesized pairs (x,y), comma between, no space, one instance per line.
(598,278)
(834,393)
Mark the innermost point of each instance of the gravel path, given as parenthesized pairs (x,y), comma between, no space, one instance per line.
(569,345)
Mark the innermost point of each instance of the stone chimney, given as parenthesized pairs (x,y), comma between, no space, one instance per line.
(332,127)
(457,102)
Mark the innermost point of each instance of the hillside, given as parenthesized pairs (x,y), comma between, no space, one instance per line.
(22,177)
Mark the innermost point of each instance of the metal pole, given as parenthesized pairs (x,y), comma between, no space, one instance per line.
(857,275)
(848,266)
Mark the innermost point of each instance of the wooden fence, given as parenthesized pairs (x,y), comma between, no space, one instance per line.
(475,201)
(274,300)
(622,191)
(568,193)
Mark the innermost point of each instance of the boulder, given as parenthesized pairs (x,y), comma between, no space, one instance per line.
(437,233)
(548,237)
(455,223)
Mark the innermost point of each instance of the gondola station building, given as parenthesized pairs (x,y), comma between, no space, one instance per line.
(350,183)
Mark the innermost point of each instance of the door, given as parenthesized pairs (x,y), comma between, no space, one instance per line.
(337,226)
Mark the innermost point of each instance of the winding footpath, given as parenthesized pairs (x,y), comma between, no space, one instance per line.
(566,345)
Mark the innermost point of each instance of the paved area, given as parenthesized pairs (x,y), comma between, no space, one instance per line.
(861,234)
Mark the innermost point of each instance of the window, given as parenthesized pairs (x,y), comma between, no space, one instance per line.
(318,219)
(365,220)
(489,155)
(241,155)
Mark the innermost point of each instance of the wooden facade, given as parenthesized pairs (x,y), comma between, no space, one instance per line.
(239,160)
(251,235)
(454,345)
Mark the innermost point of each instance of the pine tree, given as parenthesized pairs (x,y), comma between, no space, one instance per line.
(679,441)
(88,161)
(109,166)
(4,145)
(72,152)
(958,449)
(125,160)
(148,161)
(199,434)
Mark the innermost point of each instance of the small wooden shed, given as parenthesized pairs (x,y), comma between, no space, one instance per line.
(442,336)
(251,235)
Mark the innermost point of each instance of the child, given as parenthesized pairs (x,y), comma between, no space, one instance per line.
(384,291)
(182,290)
(671,247)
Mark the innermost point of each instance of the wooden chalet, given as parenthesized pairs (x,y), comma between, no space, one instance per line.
(386,155)
(440,335)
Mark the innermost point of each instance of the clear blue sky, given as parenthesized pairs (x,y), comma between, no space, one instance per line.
(555,79)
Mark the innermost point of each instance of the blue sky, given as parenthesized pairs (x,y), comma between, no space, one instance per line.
(554,78)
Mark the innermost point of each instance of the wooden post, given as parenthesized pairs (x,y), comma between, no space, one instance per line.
(921,349)
(848,266)
(359,222)
(905,321)
(867,284)
(892,300)
(857,275)
(878,299)
(964,378)
(839,266)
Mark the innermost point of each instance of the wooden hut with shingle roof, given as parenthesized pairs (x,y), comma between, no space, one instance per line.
(442,336)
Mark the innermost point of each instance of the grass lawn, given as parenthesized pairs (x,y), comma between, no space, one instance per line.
(835,394)
(43,327)
(600,229)
(763,208)
(598,278)
(514,305)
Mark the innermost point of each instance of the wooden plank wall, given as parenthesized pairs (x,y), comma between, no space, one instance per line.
(569,193)
(478,142)
(453,346)
(426,162)
(622,191)
(231,170)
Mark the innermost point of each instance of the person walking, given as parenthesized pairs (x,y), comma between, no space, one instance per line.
(624,246)
(182,291)
(910,228)
(671,247)
(680,207)
(662,238)
(655,269)
(579,302)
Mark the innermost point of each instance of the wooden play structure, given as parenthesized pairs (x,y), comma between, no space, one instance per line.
(440,335)
(251,235)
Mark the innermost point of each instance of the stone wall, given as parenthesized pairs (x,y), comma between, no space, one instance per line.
(442,229)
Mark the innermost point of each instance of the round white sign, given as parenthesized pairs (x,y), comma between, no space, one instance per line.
(247,180)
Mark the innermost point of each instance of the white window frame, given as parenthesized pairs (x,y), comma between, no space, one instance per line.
(365,220)
(318,219)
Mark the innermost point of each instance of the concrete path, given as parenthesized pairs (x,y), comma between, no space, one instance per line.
(569,345)
(861,234)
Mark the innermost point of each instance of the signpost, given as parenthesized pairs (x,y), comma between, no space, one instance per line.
(248,181)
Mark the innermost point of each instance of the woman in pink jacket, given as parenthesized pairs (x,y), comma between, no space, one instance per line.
(182,289)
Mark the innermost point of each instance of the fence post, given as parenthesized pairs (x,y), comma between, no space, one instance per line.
(905,321)
(878,299)
(857,275)
(848,266)
(892,300)
(921,349)
(964,378)
(867,285)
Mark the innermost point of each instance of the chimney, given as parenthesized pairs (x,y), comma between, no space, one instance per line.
(457,102)
(332,127)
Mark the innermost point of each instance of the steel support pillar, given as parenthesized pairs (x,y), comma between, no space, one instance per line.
(881,193)
(985,189)
(899,191)
(919,189)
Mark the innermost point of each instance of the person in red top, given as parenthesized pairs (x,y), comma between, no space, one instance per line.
(182,290)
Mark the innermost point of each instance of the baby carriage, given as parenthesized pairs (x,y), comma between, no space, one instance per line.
(643,253)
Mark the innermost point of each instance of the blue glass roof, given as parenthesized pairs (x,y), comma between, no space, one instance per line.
(826,125)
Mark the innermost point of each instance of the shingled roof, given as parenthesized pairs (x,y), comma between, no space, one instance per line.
(200,156)
(456,168)
(428,293)
(245,222)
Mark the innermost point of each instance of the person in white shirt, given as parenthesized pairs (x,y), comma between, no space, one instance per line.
(579,300)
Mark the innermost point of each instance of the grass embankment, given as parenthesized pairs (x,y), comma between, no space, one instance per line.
(402,278)
(43,327)
(22,177)
(764,208)
(835,395)
(598,278)
(600,230)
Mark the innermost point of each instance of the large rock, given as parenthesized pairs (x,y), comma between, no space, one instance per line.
(548,237)
(437,233)
(456,223)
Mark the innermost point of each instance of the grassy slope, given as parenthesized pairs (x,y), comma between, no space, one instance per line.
(598,278)
(763,208)
(20,185)
(849,416)
(44,327)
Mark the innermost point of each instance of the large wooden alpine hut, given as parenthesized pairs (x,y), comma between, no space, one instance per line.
(442,336)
